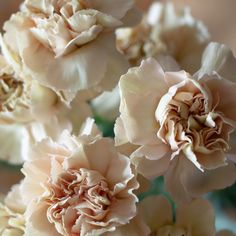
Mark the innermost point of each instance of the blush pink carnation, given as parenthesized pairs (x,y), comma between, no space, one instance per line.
(183,126)
(78,186)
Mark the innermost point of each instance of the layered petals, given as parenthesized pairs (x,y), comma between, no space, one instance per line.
(85,186)
(182,127)
(30,112)
(167,34)
(58,43)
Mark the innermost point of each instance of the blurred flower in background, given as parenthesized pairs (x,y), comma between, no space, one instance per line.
(218,15)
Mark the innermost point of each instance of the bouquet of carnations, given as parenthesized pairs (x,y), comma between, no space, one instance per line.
(98,102)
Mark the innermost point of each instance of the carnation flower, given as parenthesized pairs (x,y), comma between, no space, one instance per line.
(156,218)
(165,32)
(77,186)
(157,36)
(183,126)
(30,112)
(67,45)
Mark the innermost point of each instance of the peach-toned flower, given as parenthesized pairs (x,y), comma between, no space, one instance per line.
(182,126)
(78,186)
(165,32)
(30,112)
(195,219)
(67,45)
(11,214)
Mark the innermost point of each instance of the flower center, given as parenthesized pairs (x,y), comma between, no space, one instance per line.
(69,25)
(82,194)
(189,120)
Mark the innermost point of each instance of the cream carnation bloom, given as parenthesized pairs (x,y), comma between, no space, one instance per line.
(30,112)
(165,32)
(67,45)
(77,186)
(183,127)
(156,219)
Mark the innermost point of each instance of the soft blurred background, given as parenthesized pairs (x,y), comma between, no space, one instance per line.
(218,15)
(220,18)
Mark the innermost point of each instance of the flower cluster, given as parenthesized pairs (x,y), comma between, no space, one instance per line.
(68,64)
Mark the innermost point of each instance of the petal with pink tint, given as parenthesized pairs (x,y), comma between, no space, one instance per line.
(139,98)
(37,222)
